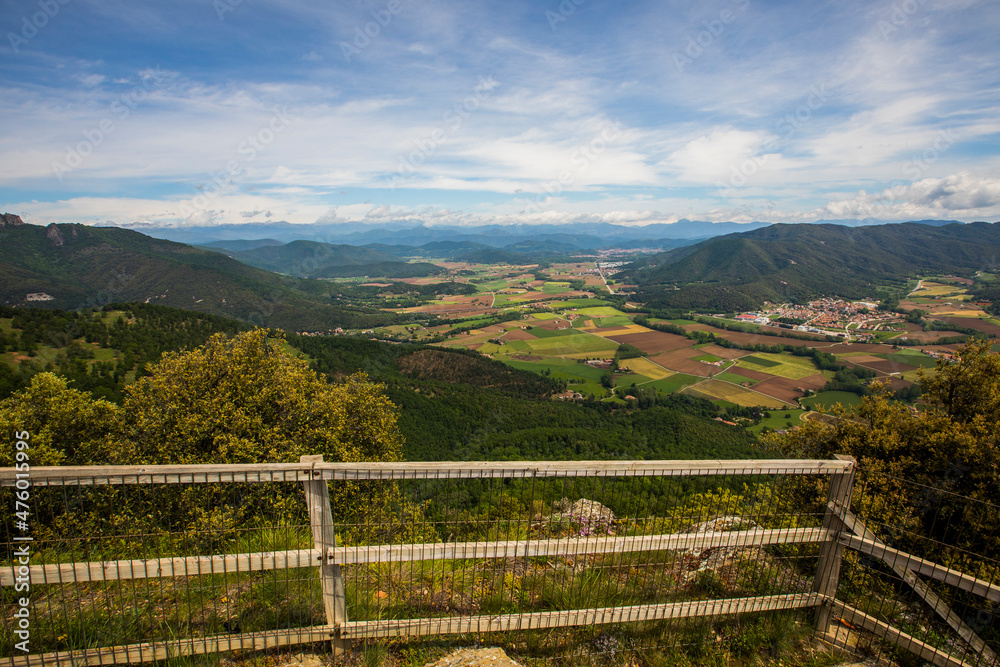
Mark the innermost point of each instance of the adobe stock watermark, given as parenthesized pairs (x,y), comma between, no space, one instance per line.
(917,165)
(697,44)
(236,170)
(363,36)
(899,17)
(581,159)
(223,7)
(118,111)
(30,26)
(566,9)
(787,128)
(453,119)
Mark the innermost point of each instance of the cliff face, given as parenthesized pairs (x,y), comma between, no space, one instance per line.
(10,220)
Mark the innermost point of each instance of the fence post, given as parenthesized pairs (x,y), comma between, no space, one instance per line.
(321,521)
(831,552)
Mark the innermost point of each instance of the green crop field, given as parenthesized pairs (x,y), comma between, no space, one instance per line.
(673,383)
(911,359)
(829,398)
(782,365)
(575,344)
(600,311)
(555,288)
(761,361)
(539,332)
(618,321)
(581,303)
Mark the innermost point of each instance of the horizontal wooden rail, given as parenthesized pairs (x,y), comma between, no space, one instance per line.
(894,557)
(276,560)
(155,651)
(555,619)
(299,472)
(575,546)
(856,617)
(151,568)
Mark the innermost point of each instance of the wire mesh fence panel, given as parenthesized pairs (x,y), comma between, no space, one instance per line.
(162,569)
(608,562)
(562,568)
(922,576)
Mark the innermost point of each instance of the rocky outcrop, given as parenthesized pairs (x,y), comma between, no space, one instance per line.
(10,220)
(587,517)
(483,657)
(54,236)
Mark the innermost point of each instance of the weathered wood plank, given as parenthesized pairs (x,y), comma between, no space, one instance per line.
(118,570)
(896,637)
(324,539)
(575,546)
(553,619)
(894,557)
(156,651)
(299,472)
(831,553)
(277,560)
(902,569)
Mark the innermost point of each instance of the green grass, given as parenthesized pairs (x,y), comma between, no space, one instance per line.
(912,358)
(778,421)
(708,357)
(581,303)
(828,398)
(673,383)
(555,288)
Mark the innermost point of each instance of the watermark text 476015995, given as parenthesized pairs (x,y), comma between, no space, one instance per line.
(22,553)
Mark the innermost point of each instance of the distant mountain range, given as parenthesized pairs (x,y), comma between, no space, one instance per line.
(75,266)
(581,236)
(797,262)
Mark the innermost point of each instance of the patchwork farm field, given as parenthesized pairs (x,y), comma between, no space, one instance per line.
(718,389)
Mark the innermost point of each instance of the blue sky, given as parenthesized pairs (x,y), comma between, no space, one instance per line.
(223,111)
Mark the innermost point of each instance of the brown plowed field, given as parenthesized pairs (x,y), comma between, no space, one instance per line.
(749,373)
(928,336)
(724,352)
(755,339)
(681,361)
(785,388)
(654,342)
(973,323)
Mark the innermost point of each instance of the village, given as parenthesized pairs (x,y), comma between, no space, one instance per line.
(832,316)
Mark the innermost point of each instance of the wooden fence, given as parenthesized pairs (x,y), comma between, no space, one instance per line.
(840,530)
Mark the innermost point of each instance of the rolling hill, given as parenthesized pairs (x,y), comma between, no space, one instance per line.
(312,259)
(797,262)
(76,266)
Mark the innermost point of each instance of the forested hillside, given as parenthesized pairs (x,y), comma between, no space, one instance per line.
(77,266)
(783,263)
(453,404)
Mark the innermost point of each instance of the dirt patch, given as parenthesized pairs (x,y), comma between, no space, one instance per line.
(682,363)
(928,336)
(525,357)
(654,342)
